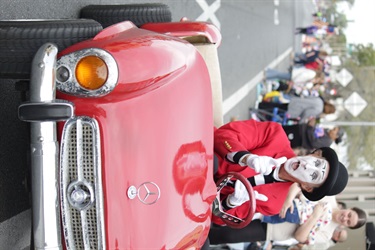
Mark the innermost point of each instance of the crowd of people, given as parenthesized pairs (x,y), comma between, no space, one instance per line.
(287,157)
(299,98)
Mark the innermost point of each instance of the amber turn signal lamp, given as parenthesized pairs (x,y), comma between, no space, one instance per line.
(91,72)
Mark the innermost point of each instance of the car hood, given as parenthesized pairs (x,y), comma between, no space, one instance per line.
(157,161)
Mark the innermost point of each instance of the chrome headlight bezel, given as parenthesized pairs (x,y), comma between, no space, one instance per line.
(71,85)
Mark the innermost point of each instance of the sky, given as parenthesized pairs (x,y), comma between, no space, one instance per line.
(362,30)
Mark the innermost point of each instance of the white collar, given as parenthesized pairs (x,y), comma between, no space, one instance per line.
(276,174)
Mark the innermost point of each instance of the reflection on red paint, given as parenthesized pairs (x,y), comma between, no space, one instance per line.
(194,208)
(190,169)
(190,162)
(192,240)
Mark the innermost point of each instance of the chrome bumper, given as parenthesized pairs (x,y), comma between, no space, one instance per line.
(41,112)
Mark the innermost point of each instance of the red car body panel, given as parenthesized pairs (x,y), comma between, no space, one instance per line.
(155,126)
(187,28)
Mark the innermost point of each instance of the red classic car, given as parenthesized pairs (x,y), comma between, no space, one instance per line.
(121,127)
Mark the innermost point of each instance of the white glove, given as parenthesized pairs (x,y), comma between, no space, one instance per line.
(239,196)
(264,164)
(260,197)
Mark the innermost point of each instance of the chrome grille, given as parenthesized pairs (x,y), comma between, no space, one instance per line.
(81,187)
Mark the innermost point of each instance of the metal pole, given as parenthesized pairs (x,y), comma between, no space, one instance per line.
(345,123)
(44,154)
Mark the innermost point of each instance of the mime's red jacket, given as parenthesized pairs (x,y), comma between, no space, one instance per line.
(260,138)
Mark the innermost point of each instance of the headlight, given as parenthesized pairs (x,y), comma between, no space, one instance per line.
(92,72)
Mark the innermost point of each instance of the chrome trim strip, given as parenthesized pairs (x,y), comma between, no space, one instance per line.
(79,140)
(65,179)
(71,86)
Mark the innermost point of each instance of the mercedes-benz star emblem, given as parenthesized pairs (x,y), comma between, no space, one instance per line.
(148,193)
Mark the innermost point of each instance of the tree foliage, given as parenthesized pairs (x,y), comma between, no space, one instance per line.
(350,2)
(339,19)
(364,55)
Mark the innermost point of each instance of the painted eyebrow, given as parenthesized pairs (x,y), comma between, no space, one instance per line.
(323,168)
(325,164)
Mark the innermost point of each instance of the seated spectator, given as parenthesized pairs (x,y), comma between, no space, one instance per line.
(352,218)
(316,30)
(301,109)
(308,88)
(311,58)
(312,136)
(309,30)
(300,81)
(297,74)
(339,235)
(312,231)
(309,107)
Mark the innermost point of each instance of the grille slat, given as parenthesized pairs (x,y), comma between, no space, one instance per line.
(81,188)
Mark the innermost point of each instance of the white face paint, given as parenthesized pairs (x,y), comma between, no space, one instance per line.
(308,168)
